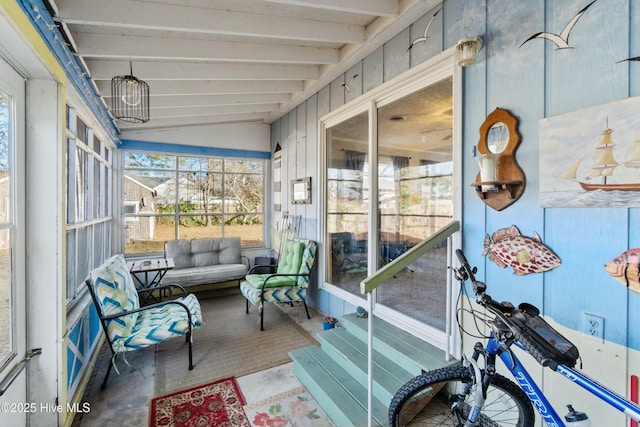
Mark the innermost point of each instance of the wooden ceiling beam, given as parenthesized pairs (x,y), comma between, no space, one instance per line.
(369,7)
(213,87)
(106,70)
(91,45)
(172,17)
(184,101)
(193,121)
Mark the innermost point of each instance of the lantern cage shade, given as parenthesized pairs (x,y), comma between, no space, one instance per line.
(130,99)
(466,50)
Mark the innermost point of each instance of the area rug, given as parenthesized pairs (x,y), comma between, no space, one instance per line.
(229,344)
(215,404)
(293,408)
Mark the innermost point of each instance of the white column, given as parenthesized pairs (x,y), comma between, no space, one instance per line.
(45,222)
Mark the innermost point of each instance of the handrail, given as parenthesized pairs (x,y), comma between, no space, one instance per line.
(379,277)
(397,265)
(11,377)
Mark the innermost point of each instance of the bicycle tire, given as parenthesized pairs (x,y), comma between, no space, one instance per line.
(506,403)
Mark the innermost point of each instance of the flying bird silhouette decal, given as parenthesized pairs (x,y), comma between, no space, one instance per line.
(561,40)
(347,85)
(635,58)
(425,36)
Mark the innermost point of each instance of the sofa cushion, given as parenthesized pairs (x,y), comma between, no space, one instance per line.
(180,251)
(205,275)
(204,252)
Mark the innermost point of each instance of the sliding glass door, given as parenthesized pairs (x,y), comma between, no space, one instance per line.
(347,187)
(389,179)
(415,198)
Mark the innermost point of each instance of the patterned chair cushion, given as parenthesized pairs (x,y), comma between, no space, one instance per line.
(290,263)
(116,293)
(283,294)
(281,288)
(158,324)
(308,258)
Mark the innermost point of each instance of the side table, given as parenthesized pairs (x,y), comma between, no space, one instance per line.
(148,273)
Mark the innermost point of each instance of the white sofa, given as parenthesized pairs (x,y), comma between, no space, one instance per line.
(204,261)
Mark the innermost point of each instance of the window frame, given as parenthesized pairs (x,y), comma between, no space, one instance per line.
(90,226)
(220,175)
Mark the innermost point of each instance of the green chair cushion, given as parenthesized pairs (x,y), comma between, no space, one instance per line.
(290,258)
(256,280)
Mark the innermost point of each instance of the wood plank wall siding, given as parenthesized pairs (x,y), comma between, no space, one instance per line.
(533,81)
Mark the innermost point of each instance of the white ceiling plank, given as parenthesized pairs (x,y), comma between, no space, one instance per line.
(106,70)
(169,17)
(213,87)
(176,49)
(204,100)
(228,61)
(192,121)
(211,110)
(368,7)
(411,11)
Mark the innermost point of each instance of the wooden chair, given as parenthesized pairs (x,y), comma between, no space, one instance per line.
(290,281)
(128,326)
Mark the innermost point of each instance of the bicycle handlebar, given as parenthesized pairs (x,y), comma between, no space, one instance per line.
(480,287)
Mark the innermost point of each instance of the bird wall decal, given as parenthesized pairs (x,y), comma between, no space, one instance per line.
(347,84)
(635,58)
(425,36)
(561,40)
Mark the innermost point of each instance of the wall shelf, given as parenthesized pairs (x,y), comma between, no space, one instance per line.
(499,139)
(512,188)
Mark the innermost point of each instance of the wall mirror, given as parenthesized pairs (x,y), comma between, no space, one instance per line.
(499,138)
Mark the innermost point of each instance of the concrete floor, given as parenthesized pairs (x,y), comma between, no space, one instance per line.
(125,402)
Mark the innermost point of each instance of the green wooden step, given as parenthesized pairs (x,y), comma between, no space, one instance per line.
(351,353)
(410,352)
(336,373)
(342,397)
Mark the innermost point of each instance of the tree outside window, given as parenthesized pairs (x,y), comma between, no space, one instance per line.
(179,197)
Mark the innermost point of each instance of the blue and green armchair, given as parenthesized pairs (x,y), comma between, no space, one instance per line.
(290,281)
(128,326)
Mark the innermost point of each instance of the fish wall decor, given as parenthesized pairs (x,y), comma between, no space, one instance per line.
(625,269)
(508,247)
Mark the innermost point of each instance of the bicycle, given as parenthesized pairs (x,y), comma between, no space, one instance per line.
(469,395)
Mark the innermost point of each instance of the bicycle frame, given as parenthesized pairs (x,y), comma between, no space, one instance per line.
(538,399)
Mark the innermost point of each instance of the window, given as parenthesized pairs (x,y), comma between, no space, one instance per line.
(89,174)
(168,197)
(7,225)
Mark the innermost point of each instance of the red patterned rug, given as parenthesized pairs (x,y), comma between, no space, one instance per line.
(216,404)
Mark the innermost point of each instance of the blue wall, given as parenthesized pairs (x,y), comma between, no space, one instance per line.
(532,81)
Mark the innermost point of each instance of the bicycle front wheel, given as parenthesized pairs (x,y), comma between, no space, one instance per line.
(444,397)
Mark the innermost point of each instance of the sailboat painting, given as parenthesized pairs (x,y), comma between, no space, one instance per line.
(591,157)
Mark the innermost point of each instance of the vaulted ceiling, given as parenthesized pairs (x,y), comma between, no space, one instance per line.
(227,61)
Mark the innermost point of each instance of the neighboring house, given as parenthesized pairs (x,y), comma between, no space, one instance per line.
(138,200)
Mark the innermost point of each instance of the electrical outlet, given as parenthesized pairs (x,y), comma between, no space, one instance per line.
(594,325)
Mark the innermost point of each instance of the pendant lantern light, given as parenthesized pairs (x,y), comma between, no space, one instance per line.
(130,98)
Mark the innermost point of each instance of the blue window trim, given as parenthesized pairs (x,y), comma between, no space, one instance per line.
(161,147)
(72,66)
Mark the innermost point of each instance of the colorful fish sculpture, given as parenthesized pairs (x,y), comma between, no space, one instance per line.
(625,269)
(507,247)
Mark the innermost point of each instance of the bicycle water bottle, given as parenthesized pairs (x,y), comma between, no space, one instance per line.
(577,419)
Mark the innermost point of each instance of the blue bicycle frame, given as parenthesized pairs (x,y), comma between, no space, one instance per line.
(538,399)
